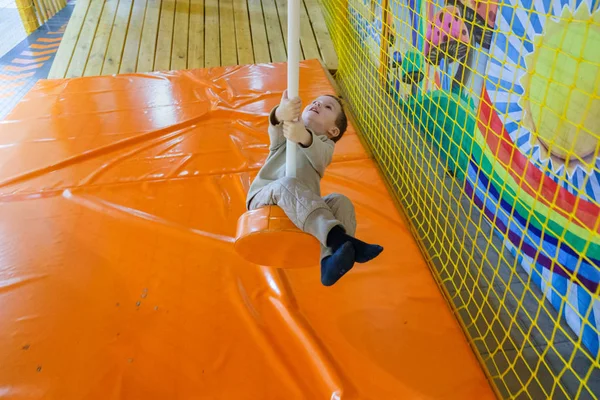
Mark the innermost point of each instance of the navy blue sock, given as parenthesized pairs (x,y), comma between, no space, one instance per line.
(336,265)
(363,251)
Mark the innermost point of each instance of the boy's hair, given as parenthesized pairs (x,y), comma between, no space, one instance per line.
(341,121)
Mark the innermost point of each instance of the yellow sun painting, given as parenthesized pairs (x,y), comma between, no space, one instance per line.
(561,100)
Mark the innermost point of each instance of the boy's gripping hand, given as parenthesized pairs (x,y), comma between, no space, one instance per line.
(297,133)
(289,109)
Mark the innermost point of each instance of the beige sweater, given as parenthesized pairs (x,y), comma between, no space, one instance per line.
(311,161)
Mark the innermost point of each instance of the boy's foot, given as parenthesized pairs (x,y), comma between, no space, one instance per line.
(336,265)
(363,251)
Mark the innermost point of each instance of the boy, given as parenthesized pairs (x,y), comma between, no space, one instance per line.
(330,219)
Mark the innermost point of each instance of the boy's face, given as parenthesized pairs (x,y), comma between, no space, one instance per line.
(320,116)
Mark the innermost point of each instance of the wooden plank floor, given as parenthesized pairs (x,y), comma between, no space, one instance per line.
(122,36)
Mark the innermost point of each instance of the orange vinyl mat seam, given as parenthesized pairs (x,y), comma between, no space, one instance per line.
(119,198)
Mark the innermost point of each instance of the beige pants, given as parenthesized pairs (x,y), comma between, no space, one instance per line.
(308,211)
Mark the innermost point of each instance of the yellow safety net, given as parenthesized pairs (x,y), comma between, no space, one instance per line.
(34,13)
(485,119)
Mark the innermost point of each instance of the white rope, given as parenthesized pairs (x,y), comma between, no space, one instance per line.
(293,75)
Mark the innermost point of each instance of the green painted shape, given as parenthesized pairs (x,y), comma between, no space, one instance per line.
(449,123)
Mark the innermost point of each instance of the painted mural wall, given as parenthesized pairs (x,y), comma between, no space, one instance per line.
(518,86)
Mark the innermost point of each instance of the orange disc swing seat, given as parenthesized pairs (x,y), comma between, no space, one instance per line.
(266,236)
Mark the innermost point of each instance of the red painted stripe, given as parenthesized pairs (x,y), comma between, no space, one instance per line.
(12,85)
(37,53)
(16,77)
(527,175)
(14,68)
(49,40)
(45,46)
(27,61)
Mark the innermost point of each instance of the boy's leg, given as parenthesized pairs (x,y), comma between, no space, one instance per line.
(307,210)
(343,249)
(320,217)
(343,210)
(336,262)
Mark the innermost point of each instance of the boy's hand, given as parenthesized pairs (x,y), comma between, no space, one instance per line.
(289,109)
(297,133)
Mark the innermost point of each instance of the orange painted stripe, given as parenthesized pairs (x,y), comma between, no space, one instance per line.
(49,40)
(8,94)
(11,85)
(24,68)
(45,46)
(26,61)
(37,53)
(16,77)
(60,32)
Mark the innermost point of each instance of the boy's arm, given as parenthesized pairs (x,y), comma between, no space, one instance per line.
(319,152)
(275,131)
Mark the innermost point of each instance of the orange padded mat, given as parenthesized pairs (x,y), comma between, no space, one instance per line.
(119,198)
